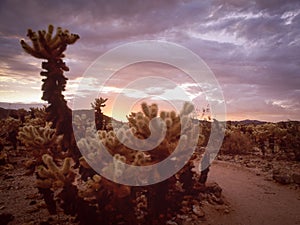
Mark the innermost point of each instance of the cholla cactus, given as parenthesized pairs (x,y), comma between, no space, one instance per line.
(49,47)
(52,176)
(9,131)
(141,207)
(9,124)
(97,105)
(81,123)
(90,188)
(117,167)
(38,137)
(36,117)
(268,136)
(93,189)
(35,121)
(38,112)
(143,131)
(161,136)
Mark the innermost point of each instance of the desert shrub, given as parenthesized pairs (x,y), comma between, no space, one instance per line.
(91,198)
(9,131)
(236,142)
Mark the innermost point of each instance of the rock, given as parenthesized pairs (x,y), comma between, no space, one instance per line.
(214,188)
(282,178)
(257,172)
(269,178)
(296,178)
(213,200)
(217,200)
(198,211)
(226,211)
(267,167)
(236,158)
(251,165)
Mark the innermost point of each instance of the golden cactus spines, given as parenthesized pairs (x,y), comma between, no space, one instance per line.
(45,46)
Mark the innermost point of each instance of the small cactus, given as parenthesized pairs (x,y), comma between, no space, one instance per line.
(99,119)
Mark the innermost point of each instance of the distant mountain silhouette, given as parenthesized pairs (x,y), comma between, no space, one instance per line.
(7,105)
(247,122)
(12,109)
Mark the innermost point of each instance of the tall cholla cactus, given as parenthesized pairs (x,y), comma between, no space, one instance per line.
(49,47)
(97,105)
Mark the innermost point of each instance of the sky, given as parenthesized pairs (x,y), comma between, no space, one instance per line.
(252,48)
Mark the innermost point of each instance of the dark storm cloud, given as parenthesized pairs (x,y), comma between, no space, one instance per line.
(101,24)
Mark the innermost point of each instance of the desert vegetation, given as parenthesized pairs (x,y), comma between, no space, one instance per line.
(50,143)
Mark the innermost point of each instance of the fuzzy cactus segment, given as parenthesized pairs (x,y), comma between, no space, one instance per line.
(38,137)
(53,176)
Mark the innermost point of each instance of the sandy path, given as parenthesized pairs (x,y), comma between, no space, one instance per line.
(254,200)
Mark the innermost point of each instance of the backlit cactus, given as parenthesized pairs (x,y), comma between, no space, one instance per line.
(51,47)
(99,119)
(38,137)
(53,176)
(165,133)
(143,128)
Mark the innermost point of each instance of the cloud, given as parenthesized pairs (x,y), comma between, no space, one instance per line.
(251,46)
